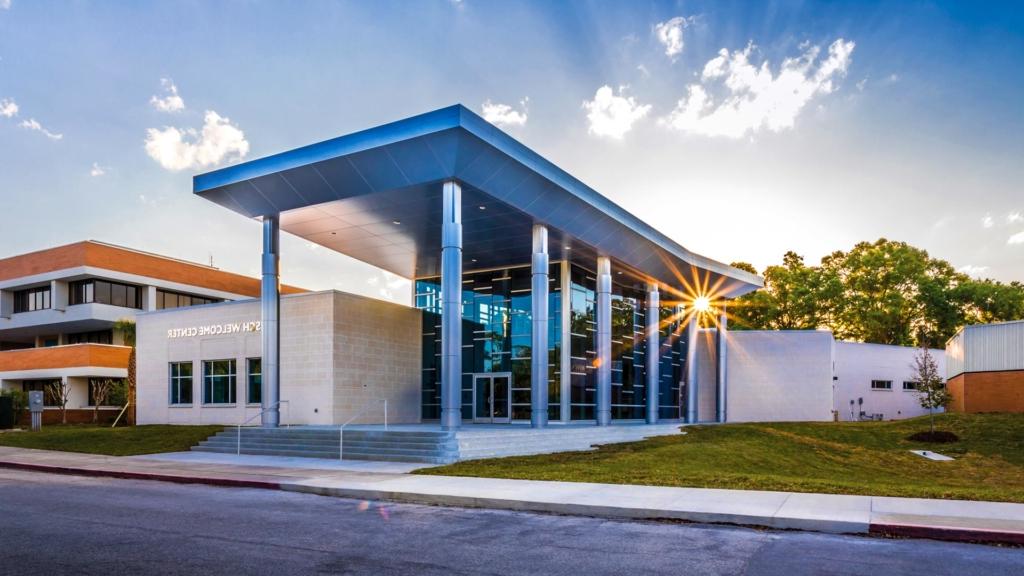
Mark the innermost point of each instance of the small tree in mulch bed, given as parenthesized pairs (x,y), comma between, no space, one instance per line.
(932,394)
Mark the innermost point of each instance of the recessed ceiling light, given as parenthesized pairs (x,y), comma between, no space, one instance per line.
(483,207)
(619,272)
(396,222)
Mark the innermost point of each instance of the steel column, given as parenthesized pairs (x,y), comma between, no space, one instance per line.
(604,341)
(722,380)
(539,339)
(691,368)
(565,369)
(270,307)
(451,306)
(652,352)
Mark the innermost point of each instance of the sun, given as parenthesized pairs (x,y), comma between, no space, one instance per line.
(702,304)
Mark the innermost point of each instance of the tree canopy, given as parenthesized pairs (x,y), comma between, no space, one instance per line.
(885,292)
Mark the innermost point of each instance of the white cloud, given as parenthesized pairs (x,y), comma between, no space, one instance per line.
(970,270)
(752,98)
(505,115)
(5,4)
(987,221)
(172,101)
(177,149)
(670,35)
(8,107)
(96,170)
(1014,217)
(611,115)
(1017,238)
(34,125)
(388,285)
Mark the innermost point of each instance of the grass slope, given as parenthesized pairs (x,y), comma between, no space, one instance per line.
(126,441)
(869,458)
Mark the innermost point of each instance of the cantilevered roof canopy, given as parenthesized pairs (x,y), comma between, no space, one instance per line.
(375,195)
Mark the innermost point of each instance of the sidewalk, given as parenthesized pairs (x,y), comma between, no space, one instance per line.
(912,517)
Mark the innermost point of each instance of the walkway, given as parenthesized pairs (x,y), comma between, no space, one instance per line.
(942,519)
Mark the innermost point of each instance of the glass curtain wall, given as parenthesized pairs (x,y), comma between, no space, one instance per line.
(582,344)
(629,390)
(496,337)
(629,385)
(672,364)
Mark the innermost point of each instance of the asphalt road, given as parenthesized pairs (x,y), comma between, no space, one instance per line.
(52,524)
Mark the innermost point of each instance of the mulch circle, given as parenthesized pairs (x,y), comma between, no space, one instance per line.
(938,437)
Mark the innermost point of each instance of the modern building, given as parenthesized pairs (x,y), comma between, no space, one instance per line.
(537,301)
(510,256)
(985,368)
(58,308)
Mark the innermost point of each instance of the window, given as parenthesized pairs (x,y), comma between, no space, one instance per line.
(218,382)
(167,299)
(32,299)
(255,380)
(94,337)
(909,386)
(181,382)
(46,387)
(881,384)
(116,395)
(104,292)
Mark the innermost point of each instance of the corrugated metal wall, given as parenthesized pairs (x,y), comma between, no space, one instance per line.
(955,355)
(986,348)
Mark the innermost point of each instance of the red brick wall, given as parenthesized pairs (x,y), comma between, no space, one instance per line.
(75,416)
(988,392)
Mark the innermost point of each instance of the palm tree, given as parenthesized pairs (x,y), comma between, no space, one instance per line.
(127,329)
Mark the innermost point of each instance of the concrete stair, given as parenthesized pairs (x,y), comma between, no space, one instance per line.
(426,445)
(430,447)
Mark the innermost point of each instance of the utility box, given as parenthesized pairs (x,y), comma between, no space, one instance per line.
(35,406)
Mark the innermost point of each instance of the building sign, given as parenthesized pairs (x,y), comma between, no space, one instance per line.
(215,329)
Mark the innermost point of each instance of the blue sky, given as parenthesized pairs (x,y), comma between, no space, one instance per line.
(821,123)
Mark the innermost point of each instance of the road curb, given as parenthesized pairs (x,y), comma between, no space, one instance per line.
(947,533)
(71,471)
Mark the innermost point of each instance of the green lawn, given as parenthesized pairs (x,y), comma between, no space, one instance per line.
(841,458)
(124,441)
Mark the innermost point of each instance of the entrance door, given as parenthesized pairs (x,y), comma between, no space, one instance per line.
(492,397)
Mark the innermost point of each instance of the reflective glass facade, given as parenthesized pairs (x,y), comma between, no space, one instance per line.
(672,364)
(496,326)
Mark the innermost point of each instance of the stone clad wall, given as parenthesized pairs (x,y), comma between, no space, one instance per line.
(377,351)
(338,351)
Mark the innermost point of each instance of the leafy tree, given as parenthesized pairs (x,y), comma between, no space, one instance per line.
(884,292)
(931,390)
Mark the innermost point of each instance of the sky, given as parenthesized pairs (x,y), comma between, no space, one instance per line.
(741,130)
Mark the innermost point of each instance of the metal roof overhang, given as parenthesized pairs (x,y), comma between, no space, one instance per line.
(375,195)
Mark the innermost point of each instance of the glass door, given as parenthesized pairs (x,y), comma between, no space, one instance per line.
(492,397)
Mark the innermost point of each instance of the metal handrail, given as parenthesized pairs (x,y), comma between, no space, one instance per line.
(288,415)
(341,430)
